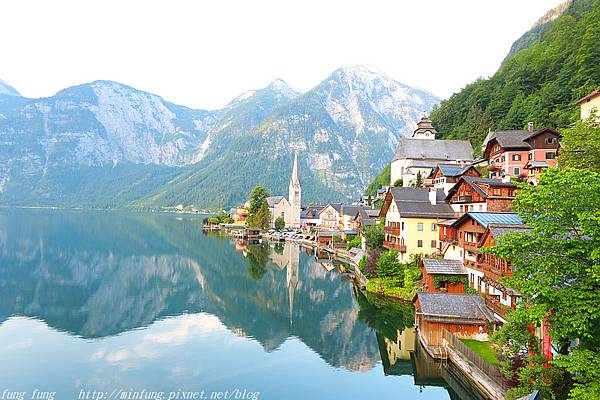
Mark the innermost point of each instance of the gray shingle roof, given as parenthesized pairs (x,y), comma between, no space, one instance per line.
(414,202)
(350,209)
(510,139)
(463,306)
(434,149)
(273,200)
(498,230)
(444,267)
(453,169)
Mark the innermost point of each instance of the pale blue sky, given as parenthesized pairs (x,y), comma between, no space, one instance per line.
(202,54)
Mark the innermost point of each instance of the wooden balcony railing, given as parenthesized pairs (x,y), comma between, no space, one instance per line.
(392,230)
(395,246)
(496,307)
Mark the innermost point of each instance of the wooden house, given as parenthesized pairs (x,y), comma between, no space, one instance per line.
(481,194)
(445,176)
(448,276)
(465,315)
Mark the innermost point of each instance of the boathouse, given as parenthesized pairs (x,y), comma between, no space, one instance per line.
(466,315)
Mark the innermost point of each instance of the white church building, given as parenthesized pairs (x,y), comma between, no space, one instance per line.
(422,152)
(290,209)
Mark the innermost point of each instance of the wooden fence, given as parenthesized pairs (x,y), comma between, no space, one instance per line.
(492,371)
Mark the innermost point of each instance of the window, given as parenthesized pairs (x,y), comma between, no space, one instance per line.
(550,155)
(433,244)
(503,159)
(516,157)
(516,170)
(433,227)
(420,226)
(550,140)
(402,225)
(419,243)
(529,156)
(497,191)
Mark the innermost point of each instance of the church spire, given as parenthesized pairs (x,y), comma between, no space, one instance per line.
(295,180)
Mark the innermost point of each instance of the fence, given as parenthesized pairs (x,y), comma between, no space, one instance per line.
(492,371)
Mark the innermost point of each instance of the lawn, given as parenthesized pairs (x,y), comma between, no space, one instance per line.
(484,349)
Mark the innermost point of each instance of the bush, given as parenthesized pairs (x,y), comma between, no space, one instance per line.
(371,263)
(374,236)
(356,241)
(279,223)
(389,266)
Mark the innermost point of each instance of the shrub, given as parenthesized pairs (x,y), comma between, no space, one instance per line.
(356,241)
(388,265)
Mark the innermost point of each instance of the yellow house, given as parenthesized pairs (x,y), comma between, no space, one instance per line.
(411,218)
(590,103)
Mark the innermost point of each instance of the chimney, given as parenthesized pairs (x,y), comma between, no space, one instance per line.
(433,196)
(530,126)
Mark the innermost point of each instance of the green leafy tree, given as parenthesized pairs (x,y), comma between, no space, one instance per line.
(388,265)
(259,209)
(356,241)
(279,223)
(557,270)
(580,145)
(374,236)
(398,183)
(418,181)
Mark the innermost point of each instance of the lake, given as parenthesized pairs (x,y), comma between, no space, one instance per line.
(126,306)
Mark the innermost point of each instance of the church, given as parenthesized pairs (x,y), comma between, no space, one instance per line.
(422,152)
(290,209)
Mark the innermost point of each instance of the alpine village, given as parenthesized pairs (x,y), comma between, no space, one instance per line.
(498,253)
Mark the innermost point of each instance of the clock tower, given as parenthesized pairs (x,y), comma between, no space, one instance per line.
(425,130)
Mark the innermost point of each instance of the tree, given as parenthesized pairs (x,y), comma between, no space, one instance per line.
(557,269)
(262,218)
(259,209)
(398,182)
(374,236)
(580,145)
(279,223)
(258,257)
(419,181)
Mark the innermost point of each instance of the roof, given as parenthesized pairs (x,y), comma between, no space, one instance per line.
(444,267)
(434,149)
(537,164)
(498,230)
(414,202)
(453,169)
(535,395)
(448,222)
(274,200)
(336,206)
(590,96)
(422,164)
(509,139)
(350,209)
(467,307)
(486,218)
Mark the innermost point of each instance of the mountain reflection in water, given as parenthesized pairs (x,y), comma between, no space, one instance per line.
(142,300)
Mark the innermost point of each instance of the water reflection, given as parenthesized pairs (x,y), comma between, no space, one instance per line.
(103,277)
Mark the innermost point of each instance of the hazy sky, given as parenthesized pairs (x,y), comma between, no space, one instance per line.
(204,53)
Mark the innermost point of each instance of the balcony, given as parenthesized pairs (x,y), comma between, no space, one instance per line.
(395,246)
(463,199)
(496,307)
(392,230)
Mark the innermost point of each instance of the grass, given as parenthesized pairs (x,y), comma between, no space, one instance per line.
(389,287)
(484,349)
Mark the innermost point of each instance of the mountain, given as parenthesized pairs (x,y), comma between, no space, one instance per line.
(6,89)
(548,69)
(344,129)
(105,144)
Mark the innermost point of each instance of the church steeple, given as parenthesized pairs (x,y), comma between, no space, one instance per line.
(295,195)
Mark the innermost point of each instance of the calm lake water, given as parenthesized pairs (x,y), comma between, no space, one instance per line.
(121,302)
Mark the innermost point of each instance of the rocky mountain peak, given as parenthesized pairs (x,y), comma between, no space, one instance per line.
(5,88)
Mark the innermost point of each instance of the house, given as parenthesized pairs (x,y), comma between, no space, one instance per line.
(508,152)
(420,154)
(329,217)
(445,176)
(411,217)
(309,218)
(465,315)
(481,194)
(347,214)
(448,240)
(470,229)
(240,214)
(364,218)
(289,210)
(499,297)
(448,276)
(589,104)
